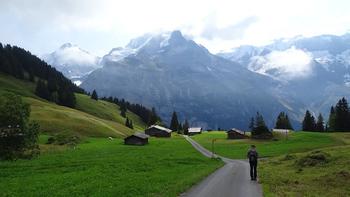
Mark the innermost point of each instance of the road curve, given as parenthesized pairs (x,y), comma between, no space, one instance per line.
(231,180)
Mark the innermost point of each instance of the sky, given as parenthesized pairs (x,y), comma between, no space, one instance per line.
(41,26)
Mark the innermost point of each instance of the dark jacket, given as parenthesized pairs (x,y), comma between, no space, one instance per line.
(252,155)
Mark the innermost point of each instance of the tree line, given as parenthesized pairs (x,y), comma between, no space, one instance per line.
(50,84)
(149,116)
(177,126)
(339,119)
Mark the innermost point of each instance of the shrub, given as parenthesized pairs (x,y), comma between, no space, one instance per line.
(18,136)
(64,138)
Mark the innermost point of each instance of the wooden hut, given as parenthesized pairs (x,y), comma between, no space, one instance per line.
(158,131)
(236,134)
(194,130)
(136,139)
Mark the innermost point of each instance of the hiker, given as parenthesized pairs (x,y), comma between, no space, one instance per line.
(253,161)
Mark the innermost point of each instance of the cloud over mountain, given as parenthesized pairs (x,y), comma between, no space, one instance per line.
(290,63)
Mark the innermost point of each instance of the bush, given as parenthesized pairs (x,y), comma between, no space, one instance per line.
(64,138)
(18,136)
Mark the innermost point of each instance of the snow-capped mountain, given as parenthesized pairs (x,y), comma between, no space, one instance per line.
(171,72)
(74,62)
(315,70)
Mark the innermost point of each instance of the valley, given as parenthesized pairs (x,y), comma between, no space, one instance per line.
(181,98)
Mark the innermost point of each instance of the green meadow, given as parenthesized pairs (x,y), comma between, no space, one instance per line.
(237,149)
(328,176)
(90,118)
(305,164)
(102,167)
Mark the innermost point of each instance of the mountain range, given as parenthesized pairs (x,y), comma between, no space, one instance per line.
(173,73)
(74,62)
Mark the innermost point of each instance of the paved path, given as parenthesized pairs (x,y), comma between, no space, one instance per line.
(231,180)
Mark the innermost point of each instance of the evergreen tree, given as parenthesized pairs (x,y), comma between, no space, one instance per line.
(331,120)
(180,128)
(41,90)
(260,128)
(341,121)
(94,95)
(174,123)
(123,111)
(127,122)
(283,122)
(185,127)
(131,126)
(152,117)
(309,122)
(320,123)
(251,124)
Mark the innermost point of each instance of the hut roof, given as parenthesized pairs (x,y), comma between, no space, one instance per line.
(161,128)
(141,135)
(236,130)
(194,130)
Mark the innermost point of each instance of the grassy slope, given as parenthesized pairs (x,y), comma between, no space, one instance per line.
(165,167)
(281,177)
(297,142)
(54,118)
(106,110)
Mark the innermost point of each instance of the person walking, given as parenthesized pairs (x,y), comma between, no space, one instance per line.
(252,155)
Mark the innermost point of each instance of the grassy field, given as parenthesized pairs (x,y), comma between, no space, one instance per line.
(306,174)
(90,118)
(297,142)
(54,119)
(107,111)
(99,167)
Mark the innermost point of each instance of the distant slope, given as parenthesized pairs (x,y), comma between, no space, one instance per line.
(95,118)
(107,111)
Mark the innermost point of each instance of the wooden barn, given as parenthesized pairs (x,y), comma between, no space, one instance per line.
(194,130)
(136,139)
(236,134)
(158,131)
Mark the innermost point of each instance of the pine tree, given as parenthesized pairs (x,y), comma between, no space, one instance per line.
(341,121)
(260,127)
(251,124)
(123,110)
(180,128)
(331,120)
(185,127)
(42,91)
(320,123)
(174,124)
(94,95)
(131,126)
(127,123)
(283,122)
(309,122)
(152,117)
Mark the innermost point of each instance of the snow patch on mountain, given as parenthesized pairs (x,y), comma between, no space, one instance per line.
(74,62)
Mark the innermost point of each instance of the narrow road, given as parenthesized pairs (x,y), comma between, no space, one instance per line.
(231,180)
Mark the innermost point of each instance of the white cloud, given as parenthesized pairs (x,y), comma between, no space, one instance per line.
(99,25)
(289,64)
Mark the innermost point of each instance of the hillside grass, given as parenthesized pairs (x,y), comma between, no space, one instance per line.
(107,111)
(54,119)
(284,176)
(90,118)
(296,142)
(101,167)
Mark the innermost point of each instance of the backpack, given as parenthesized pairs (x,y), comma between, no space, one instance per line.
(253,156)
